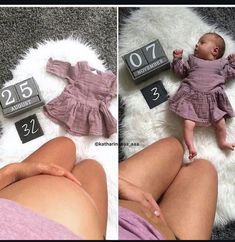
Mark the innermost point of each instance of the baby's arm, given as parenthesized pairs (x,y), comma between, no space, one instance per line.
(229,67)
(231,57)
(177,65)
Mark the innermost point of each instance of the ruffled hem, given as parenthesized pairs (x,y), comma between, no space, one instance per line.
(201,107)
(107,124)
(199,121)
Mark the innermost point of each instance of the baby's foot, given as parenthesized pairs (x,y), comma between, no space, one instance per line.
(192,152)
(227,146)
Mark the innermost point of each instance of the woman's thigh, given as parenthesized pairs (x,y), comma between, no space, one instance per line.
(93,178)
(189,204)
(154,167)
(60,200)
(60,151)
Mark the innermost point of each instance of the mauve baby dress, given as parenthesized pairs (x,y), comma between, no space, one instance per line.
(82,107)
(201,96)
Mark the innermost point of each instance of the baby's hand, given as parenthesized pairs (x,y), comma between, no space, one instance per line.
(231,57)
(178,53)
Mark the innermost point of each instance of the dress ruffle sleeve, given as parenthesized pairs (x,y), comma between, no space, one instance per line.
(111,81)
(229,70)
(61,69)
(180,68)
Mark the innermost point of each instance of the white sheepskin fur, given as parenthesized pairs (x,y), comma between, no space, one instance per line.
(33,63)
(175,28)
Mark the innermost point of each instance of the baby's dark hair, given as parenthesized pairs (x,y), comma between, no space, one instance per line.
(220,43)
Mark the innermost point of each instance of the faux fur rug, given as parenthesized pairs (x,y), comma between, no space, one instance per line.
(175,28)
(33,63)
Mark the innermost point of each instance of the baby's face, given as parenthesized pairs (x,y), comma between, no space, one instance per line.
(205,46)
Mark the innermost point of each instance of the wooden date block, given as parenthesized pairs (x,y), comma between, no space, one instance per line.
(26,89)
(29,128)
(146,61)
(19,98)
(136,60)
(8,96)
(155,94)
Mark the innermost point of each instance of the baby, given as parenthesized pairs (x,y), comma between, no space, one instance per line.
(201,99)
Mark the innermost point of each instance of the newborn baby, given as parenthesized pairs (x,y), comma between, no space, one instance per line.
(201,99)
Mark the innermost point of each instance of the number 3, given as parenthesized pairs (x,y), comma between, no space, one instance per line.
(155,93)
(25,126)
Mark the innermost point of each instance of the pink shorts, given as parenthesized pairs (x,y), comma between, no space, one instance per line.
(21,223)
(134,227)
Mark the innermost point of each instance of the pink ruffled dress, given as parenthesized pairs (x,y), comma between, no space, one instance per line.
(82,107)
(201,96)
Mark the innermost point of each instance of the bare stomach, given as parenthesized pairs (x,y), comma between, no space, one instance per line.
(60,200)
(157,222)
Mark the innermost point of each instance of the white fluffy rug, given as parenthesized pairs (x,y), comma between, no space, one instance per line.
(175,28)
(33,64)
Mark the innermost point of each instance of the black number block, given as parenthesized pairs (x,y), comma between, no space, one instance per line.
(155,94)
(146,61)
(29,128)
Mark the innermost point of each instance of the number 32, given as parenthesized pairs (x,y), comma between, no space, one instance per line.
(32,130)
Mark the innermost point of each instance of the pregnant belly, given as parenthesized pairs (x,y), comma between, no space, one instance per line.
(60,200)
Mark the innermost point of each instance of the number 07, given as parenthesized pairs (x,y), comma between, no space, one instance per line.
(152,46)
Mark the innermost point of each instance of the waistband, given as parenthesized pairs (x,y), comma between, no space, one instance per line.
(94,103)
(136,226)
(189,88)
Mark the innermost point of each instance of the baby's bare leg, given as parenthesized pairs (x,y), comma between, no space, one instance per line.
(188,137)
(221,134)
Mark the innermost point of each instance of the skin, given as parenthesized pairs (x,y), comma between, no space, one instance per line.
(188,137)
(87,213)
(207,48)
(186,194)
